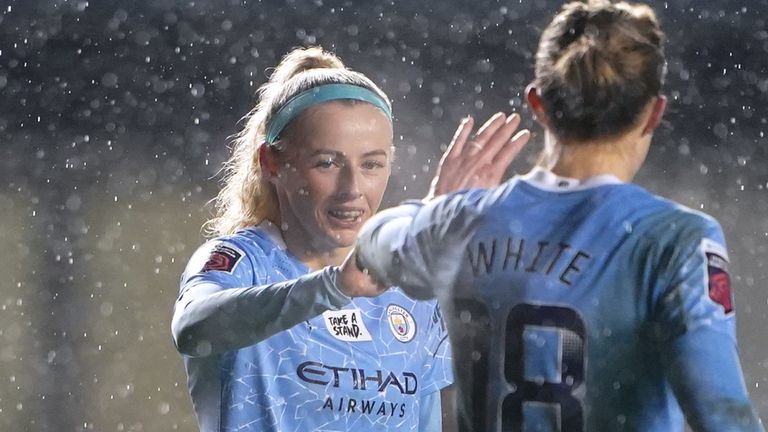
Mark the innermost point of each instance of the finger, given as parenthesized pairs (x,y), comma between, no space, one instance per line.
(501,137)
(488,172)
(474,148)
(445,176)
(459,138)
(489,128)
(496,141)
(508,153)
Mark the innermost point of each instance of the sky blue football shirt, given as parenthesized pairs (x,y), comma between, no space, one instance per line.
(263,354)
(573,306)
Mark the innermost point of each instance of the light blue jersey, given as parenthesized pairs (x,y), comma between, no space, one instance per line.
(263,354)
(591,306)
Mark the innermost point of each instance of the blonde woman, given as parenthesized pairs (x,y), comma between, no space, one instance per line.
(270,342)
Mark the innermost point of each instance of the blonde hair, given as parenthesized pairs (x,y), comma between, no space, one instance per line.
(597,66)
(247,199)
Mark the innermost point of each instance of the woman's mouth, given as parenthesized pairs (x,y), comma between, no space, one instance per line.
(346,217)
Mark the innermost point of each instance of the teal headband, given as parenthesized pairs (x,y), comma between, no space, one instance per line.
(320,94)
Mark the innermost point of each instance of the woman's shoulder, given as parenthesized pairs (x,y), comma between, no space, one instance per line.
(252,253)
(661,220)
(676,213)
(251,241)
(226,251)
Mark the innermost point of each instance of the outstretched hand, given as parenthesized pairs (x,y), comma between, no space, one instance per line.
(482,161)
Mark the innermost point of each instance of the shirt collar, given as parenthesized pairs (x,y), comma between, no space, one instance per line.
(547,180)
(273,232)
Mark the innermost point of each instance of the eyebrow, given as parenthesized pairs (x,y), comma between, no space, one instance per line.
(339,154)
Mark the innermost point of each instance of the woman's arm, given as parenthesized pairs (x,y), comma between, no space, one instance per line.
(218,311)
(696,335)
(209,318)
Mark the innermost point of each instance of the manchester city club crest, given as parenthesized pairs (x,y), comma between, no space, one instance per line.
(401,322)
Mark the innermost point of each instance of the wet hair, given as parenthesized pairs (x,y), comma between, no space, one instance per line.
(597,66)
(247,198)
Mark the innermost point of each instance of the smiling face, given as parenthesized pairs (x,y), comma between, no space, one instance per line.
(332,175)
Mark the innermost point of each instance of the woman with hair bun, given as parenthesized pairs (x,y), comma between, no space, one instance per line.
(270,341)
(581,302)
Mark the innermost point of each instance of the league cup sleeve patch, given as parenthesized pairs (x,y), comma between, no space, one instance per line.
(223,257)
(717,271)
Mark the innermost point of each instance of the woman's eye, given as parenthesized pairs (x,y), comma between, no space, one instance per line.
(327,163)
(373,164)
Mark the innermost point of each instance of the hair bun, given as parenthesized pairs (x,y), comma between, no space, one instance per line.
(304,59)
(597,65)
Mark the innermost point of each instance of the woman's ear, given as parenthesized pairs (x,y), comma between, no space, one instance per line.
(534,102)
(267,162)
(657,110)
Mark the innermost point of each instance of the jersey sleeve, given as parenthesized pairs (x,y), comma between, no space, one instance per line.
(415,246)
(695,330)
(222,305)
(438,364)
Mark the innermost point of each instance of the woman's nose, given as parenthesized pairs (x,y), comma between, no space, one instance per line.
(350,182)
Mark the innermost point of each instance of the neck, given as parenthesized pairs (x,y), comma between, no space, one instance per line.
(314,255)
(317,260)
(620,157)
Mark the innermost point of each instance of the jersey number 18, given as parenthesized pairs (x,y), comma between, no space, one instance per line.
(543,363)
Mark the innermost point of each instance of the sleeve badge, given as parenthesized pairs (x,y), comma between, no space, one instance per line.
(223,257)
(717,272)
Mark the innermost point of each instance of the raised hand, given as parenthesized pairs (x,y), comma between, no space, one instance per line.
(481,161)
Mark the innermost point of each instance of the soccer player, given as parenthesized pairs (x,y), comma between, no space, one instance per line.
(575,300)
(269,342)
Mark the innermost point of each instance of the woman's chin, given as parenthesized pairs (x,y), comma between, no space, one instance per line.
(342,238)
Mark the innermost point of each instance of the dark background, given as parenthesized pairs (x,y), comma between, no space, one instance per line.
(114,118)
